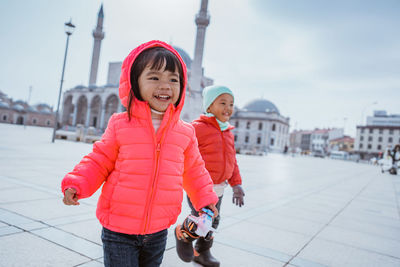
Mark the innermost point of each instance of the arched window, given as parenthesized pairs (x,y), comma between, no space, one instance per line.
(273,128)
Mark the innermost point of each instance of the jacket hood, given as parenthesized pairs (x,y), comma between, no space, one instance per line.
(125,81)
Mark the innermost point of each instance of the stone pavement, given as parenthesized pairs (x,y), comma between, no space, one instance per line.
(299,211)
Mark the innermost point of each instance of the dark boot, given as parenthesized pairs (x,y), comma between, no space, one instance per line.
(205,258)
(184,248)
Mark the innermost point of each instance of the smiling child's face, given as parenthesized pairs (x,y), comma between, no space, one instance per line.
(222,107)
(159,87)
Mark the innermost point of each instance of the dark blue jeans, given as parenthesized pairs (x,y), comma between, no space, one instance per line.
(125,250)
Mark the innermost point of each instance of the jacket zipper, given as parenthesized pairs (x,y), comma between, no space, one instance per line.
(158,150)
(223,148)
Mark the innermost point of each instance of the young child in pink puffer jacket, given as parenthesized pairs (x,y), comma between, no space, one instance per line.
(144,160)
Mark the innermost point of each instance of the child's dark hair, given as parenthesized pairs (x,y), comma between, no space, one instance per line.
(157,57)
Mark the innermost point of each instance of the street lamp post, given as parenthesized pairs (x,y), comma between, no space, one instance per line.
(69,29)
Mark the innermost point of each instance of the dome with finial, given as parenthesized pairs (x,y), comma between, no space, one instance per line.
(261,105)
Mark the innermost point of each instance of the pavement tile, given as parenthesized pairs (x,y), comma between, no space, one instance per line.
(14,195)
(25,249)
(265,237)
(227,255)
(7,230)
(91,264)
(305,214)
(70,219)
(287,223)
(72,242)
(364,226)
(47,209)
(334,254)
(373,243)
(90,230)
(20,221)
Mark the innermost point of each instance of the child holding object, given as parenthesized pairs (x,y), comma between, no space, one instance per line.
(216,145)
(144,160)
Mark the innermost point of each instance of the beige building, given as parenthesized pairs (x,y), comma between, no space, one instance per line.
(381,132)
(259,127)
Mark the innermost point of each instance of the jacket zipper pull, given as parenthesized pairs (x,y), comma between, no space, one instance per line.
(158,147)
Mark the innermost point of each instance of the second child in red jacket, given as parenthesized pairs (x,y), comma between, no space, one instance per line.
(217,148)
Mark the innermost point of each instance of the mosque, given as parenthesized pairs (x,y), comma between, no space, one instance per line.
(91,106)
(87,109)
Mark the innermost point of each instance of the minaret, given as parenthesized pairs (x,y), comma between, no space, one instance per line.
(98,35)
(202,20)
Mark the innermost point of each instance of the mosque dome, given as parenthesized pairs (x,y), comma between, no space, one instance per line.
(18,107)
(80,87)
(4,105)
(185,56)
(261,105)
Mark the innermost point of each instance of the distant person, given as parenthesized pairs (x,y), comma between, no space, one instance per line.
(145,158)
(395,154)
(217,147)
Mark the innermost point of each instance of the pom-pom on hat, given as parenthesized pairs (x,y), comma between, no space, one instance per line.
(210,93)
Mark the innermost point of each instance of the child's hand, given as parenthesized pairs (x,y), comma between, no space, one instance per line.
(238,195)
(70,197)
(212,208)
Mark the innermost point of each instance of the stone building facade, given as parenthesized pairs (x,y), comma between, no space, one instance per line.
(20,112)
(382,132)
(259,127)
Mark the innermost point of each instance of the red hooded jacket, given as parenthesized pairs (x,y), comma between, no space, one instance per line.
(143,171)
(217,149)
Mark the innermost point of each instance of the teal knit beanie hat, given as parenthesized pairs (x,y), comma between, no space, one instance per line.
(210,93)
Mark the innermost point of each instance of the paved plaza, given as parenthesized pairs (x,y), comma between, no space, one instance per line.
(299,211)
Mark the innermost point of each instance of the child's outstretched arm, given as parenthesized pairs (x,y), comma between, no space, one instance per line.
(196,179)
(235,181)
(94,168)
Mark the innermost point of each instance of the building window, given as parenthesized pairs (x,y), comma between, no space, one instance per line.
(260,126)
(4,117)
(369,146)
(379,147)
(235,137)
(371,130)
(34,121)
(390,139)
(369,138)
(380,139)
(361,146)
(272,141)
(236,124)
(246,139)
(248,125)
(362,130)
(258,140)
(273,127)
(391,131)
(362,138)
(381,131)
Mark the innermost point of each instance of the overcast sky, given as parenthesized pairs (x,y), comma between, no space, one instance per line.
(322,63)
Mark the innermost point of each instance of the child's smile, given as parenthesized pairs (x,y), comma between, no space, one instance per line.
(159,88)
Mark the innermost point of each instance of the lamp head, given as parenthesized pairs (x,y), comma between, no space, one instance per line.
(69,28)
